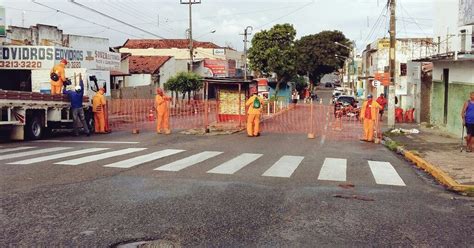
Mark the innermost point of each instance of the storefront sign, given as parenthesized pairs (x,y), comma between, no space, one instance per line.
(219,51)
(384,43)
(45,57)
(384,78)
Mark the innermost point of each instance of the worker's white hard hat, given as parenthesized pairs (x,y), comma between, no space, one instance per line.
(77,88)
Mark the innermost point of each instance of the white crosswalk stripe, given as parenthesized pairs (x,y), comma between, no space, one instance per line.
(284,167)
(102,156)
(235,164)
(334,169)
(34,152)
(143,159)
(189,161)
(384,173)
(16,149)
(58,156)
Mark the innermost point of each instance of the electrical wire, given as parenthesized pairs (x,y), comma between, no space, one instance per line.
(27,10)
(408,14)
(115,19)
(83,19)
(287,14)
(376,24)
(233,14)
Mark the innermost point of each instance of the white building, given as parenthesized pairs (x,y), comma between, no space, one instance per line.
(453,63)
(375,61)
(209,59)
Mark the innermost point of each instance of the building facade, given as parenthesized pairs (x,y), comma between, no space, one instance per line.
(375,61)
(453,63)
(210,60)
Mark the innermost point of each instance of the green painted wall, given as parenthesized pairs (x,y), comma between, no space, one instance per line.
(437,103)
(458,94)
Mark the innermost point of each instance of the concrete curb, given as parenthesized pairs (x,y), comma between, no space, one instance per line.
(433,170)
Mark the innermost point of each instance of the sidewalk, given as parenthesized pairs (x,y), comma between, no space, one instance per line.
(438,153)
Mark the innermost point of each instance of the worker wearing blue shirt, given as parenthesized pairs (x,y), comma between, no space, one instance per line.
(76,106)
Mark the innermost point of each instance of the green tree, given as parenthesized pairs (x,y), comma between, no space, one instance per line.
(184,82)
(316,54)
(300,83)
(273,51)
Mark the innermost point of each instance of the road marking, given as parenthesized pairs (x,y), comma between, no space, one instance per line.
(35,152)
(86,141)
(189,161)
(102,156)
(334,169)
(284,167)
(235,164)
(384,173)
(144,159)
(16,149)
(57,156)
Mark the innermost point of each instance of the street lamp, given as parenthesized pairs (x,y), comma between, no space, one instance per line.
(211,32)
(351,51)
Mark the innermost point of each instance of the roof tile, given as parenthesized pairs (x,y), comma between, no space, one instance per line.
(146,64)
(166,43)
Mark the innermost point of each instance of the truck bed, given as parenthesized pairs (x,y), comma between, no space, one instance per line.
(10,98)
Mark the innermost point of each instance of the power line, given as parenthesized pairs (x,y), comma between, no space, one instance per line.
(283,16)
(376,24)
(83,19)
(117,6)
(27,10)
(113,18)
(403,9)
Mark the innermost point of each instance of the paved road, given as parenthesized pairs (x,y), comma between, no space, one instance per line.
(282,190)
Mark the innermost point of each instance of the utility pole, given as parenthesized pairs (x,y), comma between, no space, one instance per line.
(191,48)
(247,31)
(391,87)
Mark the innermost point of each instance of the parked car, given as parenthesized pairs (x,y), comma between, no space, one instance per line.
(345,102)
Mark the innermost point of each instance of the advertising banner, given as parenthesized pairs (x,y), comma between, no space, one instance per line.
(217,67)
(466,12)
(45,57)
(3,28)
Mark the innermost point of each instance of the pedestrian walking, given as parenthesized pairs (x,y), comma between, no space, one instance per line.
(58,77)
(254,104)
(467,115)
(98,107)
(368,115)
(76,97)
(382,101)
(162,109)
(294,97)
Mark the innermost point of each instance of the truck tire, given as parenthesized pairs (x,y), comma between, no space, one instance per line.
(34,128)
(90,121)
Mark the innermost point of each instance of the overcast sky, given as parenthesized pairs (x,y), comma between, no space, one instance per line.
(169,19)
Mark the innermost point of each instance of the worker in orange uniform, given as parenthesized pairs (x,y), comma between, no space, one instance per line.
(162,109)
(254,104)
(58,77)
(369,115)
(98,107)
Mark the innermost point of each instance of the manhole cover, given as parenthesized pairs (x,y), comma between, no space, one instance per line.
(160,243)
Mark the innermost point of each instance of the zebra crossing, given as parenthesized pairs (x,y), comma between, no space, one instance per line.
(332,169)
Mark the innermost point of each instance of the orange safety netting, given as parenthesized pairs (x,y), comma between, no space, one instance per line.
(277,117)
